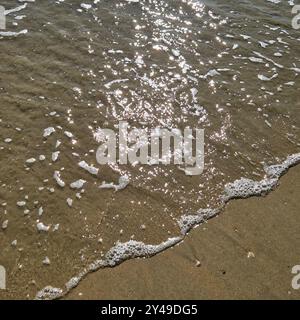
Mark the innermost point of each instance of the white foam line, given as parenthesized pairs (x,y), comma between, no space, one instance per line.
(109,84)
(268,59)
(188,222)
(242,188)
(245,188)
(12,34)
(116,255)
(19,8)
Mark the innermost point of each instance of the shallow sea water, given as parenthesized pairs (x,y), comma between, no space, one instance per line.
(230,68)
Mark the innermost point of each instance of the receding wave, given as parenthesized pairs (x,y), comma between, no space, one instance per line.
(70,68)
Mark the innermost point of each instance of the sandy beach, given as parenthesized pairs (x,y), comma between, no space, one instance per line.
(245,253)
(123,124)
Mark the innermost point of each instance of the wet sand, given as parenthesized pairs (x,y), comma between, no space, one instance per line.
(230,68)
(247,252)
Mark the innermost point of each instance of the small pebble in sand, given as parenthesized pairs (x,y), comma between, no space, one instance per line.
(41,227)
(198,264)
(14,243)
(21,203)
(8,140)
(250,255)
(55,156)
(143,227)
(30,161)
(41,210)
(58,143)
(68,134)
(5,224)
(69,202)
(46,261)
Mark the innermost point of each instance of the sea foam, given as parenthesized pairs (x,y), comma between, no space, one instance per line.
(242,188)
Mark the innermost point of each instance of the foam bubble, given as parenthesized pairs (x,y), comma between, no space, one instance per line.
(77,184)
(188,222)
(49,293)
(48,132)
(58,179)
(123,183)
(88,168)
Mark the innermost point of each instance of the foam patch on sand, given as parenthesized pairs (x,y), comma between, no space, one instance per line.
(134,249)
(49,293)
(123,183)
(242,188)
(188,222)
(245,188)
(116,255)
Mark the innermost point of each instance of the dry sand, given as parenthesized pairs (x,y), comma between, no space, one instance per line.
(245,253)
